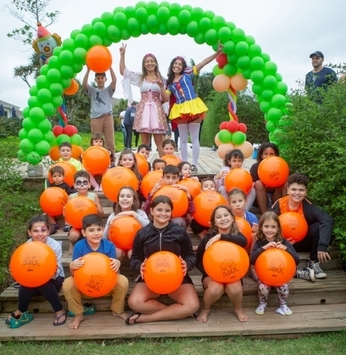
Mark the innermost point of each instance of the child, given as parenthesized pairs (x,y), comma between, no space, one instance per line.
(127,159)
(168,147)
(223,227)
(93,242)
(319,222)
(170,176)
(144,150)
(127,205)
(266,196)
(269,236)
(65,151)
(101,108)
(233,160)
(38,231)
(82,185)
(159,164)
(58,174)
(185,171)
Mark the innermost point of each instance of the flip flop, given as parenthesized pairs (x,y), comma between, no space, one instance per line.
(128,319)
(57,318)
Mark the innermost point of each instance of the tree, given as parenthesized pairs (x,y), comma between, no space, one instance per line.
(25,71)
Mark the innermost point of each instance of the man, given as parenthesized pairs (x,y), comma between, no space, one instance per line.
(129,118)
(319,78)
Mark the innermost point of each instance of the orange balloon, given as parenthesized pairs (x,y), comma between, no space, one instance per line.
(96,160)
(95,278)
(77,208)
(192,185)
(122,232)
(54,153)
(205,204)
(273,171)
(245,228)
(178,197)
(221,82)
(238,82)
(77,151)
(33,264)
(149,182)
(293,226)
(98,59)
(142,164)
(226,262)
(171,159)
(53,200)
(69,169)
(223,149)
(163,272)
(72,89)
(116,178)
(238,178)
(275,267)
(246,148)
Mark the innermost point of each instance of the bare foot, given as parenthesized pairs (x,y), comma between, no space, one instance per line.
(74,324)
(242,317)
(123,315)
(203,315)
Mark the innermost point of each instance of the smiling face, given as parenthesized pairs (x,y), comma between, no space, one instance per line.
(223,220)
(93,234)
(39,232)
(125,199)
(127,161)
(149,64)
(161,213)
(237,203)
(65,153)
(296,192)
(270,229)
(177,66)
(82,185)
(168,149)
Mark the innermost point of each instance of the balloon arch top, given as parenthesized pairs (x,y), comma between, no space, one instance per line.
(242,59)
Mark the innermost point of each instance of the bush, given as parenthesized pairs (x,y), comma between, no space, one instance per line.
(10,126)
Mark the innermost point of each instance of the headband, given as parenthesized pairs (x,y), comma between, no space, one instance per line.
(149,55)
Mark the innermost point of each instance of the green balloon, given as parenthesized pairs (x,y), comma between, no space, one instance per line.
(182,30)
(100,28)
(95,41)
(246,73)
(56,89)
(211,36)
(241,48)
(238,35)
(28,124)
(163,14)
(164,4)
(228,47)
(270,126)
(42,148)
(229,69)
(57,51)
(140,4)
(66,57)
(42,81)
(125,34)
(274,114)
(44,126)
(68,44)
(53,62)
(37,114)
(113,33)
(33,158)
(76,139)
(257,89)
(278,77)
(33,101)
(23,133)
(243,62)
(265,106)
(257,76)
(152,7)
(217,22)
(265,57)
(81,41)
(87,30)
(66,72)
(44,69)
(281,88)
(57,101)
(267,94)
(44,95)
(232,59)
(107,18)
(224,136)
(217,70)
(175,9)
(63,138)
(184,17)
(120,19)
(173,25)
(75,33)
(249,40)
(204,25)
(224,34)
(33,90)
(231,25)
(256,63)
(65,83)
(152,22)
(199,39)
(254,51)
(48,136)
(118,9)
(192,29)
(270,68)
(35,135)
(141,14)
(144,29)
(133,25)
(21,156)
(197,14)
(77,68)
(54,76)
(269,82)
(26,145)
(209,14)
(278,100)
(95,20)
(163,30)
(48,109)
(26,112)
(187,7)
(238,138)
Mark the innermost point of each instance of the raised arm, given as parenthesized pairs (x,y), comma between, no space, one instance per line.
(114,79)
(207,60)
(122,51)
(85,80)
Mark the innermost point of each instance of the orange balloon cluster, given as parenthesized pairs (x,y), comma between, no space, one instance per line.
(244,228)
(238,178)
(53,200)
(178,197)
(69,169)
(163,272)
(293,226)
(142,164)
(98,59)
(225,262)
(77,208)
(96,160)
(33,264)
(95,278)
(275,267)
(122,232)
(171,159)
(192,185)
(116,178)
(149,182)
(273,171)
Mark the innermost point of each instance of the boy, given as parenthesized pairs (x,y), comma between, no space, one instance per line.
(320,226)
(144,150)
(159,164)
(170,176)
(101,108)
(82,185)
(65,151)
(93,242)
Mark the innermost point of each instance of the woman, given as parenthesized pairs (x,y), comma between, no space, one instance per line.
(162,234)
(150,117)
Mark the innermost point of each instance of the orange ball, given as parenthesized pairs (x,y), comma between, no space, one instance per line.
(54,153)
(72,89)
(142,164)
(245,229)
(275,267)
(293,226)
(33,264)
(225,262)
(178,197)
(273,171)
(192,185)
(98,59)
(95,278)
(163,272)
(238,178)
(53,200)
(116,178)
(69,169)
(77,208)
(205,204)
(122,232)
(77,151)
(96,160)
(149,182)
(171,159)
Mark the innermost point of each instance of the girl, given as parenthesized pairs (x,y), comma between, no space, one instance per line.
(266,196)
(162,234)
(185,171)
(168,147)
(127,205)
(189,110)
(38,231)
(269,236)
(150,117)
(127,159)
(223,227)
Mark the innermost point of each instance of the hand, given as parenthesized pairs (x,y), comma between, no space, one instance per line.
(219,48)
(281,246)
(212,241)
(183,265)
(291,241)
(122,49)
(115,264)
(157,186)
(323,256)
(143,268)
(76,264)
(269,245)
(159,83)
(254,228)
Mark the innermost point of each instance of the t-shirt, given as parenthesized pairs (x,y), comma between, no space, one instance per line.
(76,163)
(100,101)
(63,186)
(321,79)
(130,114)
(82,248)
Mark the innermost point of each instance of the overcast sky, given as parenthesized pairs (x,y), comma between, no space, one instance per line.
(289,31)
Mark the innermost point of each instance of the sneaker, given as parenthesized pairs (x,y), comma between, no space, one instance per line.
(54,228)
(315,265)
(260,309)
(305,274)
(89,309)
(194,170)
(25,318)
(284,310)
(66,228)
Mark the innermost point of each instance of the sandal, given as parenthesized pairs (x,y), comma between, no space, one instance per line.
(57,318)
(128,319)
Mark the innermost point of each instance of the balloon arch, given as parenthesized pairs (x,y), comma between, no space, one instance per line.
(242,59)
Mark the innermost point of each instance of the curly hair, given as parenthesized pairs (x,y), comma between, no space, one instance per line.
(170,73)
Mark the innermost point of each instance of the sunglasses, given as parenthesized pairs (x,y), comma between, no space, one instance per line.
(82,183)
